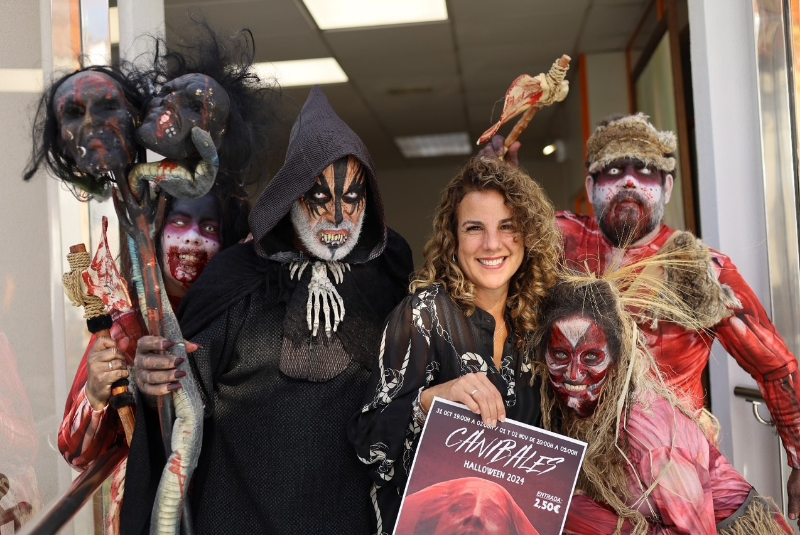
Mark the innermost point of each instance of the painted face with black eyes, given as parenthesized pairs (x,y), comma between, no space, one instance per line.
(578,361)
(629,199)
(328,218)
(187,101)
(95,122)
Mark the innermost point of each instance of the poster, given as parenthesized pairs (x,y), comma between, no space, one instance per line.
(470,478)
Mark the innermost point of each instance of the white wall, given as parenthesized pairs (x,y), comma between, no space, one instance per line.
(730,182)
(607,79)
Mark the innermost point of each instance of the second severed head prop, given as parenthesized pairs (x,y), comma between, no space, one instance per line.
(210,113)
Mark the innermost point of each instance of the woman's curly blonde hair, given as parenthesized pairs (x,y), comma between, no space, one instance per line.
(534,218)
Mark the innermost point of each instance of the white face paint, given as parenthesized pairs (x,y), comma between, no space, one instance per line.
(309,236)
(329,217)
(629,200)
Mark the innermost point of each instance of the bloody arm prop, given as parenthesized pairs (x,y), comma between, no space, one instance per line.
(527,95)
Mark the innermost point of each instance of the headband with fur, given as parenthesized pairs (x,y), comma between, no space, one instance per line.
(630,137)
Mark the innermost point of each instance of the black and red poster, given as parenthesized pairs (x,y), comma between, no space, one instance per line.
(468,478)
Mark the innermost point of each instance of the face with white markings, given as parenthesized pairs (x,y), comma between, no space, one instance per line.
(629,199)
(329,217)
(578,360)
(490,248)
(181,104)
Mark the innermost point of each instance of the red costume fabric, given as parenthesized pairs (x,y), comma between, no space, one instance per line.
(749,335)
(85,433)
(694,486)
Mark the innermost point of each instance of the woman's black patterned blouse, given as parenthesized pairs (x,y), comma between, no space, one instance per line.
(428,340)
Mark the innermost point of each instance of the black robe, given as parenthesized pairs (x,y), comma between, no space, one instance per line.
(275,456)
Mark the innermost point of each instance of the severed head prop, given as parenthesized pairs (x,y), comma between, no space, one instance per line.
(181,104)
(84,128)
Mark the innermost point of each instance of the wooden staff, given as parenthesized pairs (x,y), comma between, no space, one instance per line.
(98,323)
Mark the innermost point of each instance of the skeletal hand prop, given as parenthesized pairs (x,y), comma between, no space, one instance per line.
(322,293)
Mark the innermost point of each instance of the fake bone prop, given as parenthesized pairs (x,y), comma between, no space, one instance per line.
(529,94)
(177,179)
(321,292)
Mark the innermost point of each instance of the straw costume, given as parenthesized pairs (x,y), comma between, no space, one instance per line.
(630,167)
(649,468)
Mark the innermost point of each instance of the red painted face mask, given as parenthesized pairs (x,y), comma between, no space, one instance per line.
(578,360)
(96,122)
(185,102)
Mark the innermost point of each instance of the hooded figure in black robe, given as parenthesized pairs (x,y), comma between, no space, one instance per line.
(289,325)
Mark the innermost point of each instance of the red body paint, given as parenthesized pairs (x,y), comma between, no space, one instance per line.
(578,360)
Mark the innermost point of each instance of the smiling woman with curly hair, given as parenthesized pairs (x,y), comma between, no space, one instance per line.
(534,218)
(464,333)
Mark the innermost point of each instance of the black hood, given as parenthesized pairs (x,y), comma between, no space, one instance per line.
(319,138)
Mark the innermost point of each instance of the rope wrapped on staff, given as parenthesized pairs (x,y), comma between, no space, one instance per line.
(98,320)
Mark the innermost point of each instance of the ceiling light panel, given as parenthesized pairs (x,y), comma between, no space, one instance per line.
(454,144)
(302,72)
(366,13)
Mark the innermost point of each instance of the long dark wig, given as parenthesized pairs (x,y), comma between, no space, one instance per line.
(47,146)
(254,114)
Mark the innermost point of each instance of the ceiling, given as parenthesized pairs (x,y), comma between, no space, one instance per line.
(427,78)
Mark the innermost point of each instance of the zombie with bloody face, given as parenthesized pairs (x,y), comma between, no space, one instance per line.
(189,240)
(289,325)
(192,233)
(648,467)
(630,166)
